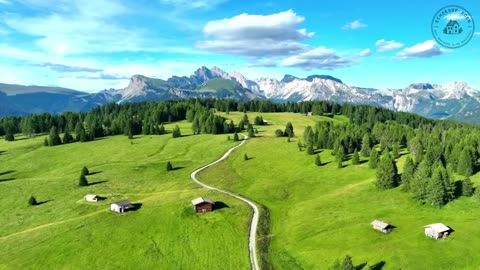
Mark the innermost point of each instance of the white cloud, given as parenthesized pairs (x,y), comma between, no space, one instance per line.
(426,49)
(317,58)
(363,53)
(357,24)
(384,45)
(75,27)
(476,34)
(454,17)
(256,35)
(5,2)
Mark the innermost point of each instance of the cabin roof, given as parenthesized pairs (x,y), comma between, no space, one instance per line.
(381,224)
(200,200)
(438,227)
(451,23)
(124,203)
(90,196)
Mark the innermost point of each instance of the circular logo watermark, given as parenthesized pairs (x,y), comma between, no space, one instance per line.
(453,26)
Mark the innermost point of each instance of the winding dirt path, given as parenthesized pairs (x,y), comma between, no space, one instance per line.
(254,224)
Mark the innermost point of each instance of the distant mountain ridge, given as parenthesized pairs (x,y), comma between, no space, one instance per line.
(456,100)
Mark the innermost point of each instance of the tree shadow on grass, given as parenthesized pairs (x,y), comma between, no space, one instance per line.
(362,161)
(7,179)
(249,158)
(43,202)
(7,172)
(360,266)
(3,152)
(378,266)
(98,182)
(93,173)
(220,205)
(177,168)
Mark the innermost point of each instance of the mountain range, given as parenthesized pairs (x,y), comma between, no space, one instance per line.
(456,100)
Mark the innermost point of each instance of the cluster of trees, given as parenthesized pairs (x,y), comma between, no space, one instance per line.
(147,117)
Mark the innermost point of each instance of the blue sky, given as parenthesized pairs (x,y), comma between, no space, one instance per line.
(95,45)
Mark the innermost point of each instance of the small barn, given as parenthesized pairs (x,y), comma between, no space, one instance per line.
(437,230)
(92,198)
(202,205)
(121,206)
(381,226)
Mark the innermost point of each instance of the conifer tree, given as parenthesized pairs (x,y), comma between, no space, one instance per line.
(418,184)
(67,138)
(85,171)
(436,189)
(54,138)
(396,150)
(32,201)
(245,157)
(83,181)
(374,159)
(176,132)
(318,161)
(310,150)
(340,154)
(289,130)
(347,263)
(235,137)
(9,137)
(45,142)
(386,173)
(408,173)
(465,163)
(467,187)
(169,166)
(355,158)
(161,129)
(366,146)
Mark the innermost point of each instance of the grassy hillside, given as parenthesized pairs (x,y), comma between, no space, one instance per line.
(14,89)
(322,213)
(64,232)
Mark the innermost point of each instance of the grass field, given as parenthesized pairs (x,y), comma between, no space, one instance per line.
(319,214)
(64,232)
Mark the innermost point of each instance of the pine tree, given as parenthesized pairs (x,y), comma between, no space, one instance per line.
(374,159)
(83,181)
(467,187)
(340,155)
(161,129)
(251,133)
(9,137)
(245,157)
(408,173)
(339,163)
(67,138)
(85,171)
(347,263)
(45,142)
(436,189)
(176,132)
(300,145)
(235,137)
(169,166)
(289,130)
(418,184)
(310,150)
(366,146)
(465,163)
(318,161)
(54,138)
(32,201)
(386,173)
(228,138)
(396,150)
(355,158)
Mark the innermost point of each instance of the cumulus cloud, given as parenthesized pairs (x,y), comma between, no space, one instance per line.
(384,45)
(426,49)
(357,24)
(363,53)
(476,34)
(317,58)
(256,35)
(66,68)
(456,16)
(5,2)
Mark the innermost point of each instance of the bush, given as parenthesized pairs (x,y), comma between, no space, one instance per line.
(32,201)
(279,133)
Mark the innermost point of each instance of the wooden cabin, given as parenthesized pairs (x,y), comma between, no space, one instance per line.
(121,206)
(92,198)
(381,226)
(202,205)
(437,230)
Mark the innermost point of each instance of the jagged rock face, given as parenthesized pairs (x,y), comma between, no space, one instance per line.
(456,100)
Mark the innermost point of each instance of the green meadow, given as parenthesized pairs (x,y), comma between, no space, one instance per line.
(65,232)
(320,214)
